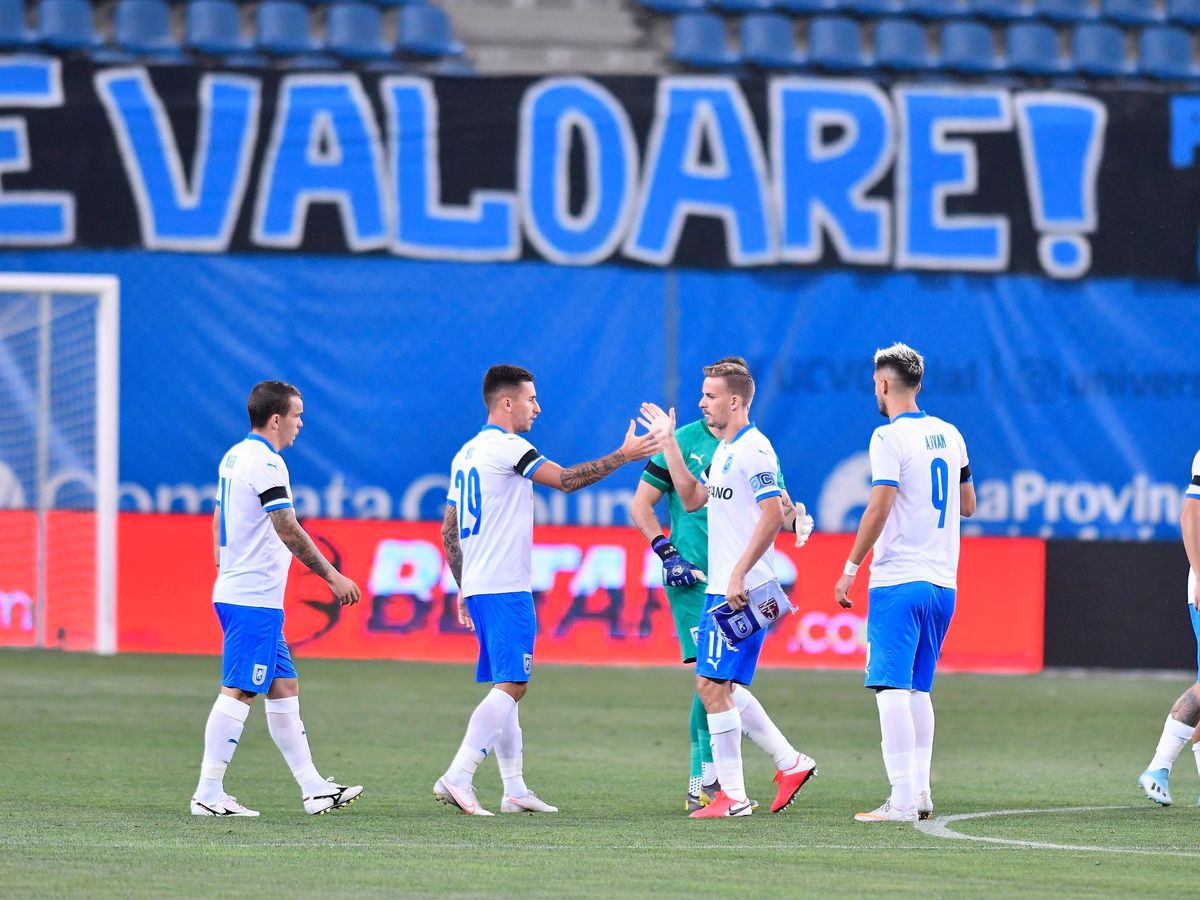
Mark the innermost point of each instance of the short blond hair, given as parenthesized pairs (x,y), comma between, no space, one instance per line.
(737,377)
(907,363)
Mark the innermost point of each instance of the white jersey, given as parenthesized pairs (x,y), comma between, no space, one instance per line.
(743,472)
(490,487)
(924,457)
(254,561)
(1193,493)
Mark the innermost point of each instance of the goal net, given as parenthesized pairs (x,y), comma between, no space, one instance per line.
(58,461)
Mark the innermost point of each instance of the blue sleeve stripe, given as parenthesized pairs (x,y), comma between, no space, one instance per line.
(1191,496)
(280,504)
(452,501)
(768,494)
(534,466)
(886,481)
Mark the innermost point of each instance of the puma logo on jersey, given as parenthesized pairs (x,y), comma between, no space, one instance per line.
(697,457)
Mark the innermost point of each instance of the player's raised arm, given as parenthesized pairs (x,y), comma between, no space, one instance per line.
(572,478)
(870,527)
(691,492)
(296,539)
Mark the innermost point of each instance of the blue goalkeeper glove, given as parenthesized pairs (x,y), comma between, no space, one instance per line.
(679,572)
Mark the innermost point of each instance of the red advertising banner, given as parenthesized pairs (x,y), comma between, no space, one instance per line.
(598,593)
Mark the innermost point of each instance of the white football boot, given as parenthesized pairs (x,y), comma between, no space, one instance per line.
(226,806)
(461,797)
(888,813)
(339,795)
(530,803)
(924,805)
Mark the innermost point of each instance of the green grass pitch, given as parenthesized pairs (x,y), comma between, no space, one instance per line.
(100,757)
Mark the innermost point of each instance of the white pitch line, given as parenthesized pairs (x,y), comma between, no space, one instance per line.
(940,828)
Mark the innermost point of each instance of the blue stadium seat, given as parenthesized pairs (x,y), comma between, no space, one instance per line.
(1002,10)
(283,30)
(1031,48)
(1131,12)
(355,31)
(426,31)
(835,42)
(214,27)
(769,41)
(1098,49)
(674,7)
(937,9)
(968,48)
(699,41)
(873,7)
(1184,12)
(143,27)
(900,45)
(742,6)
(66,24)
(808,7)
(387,3)
(1165,53)
(1070,11)
(13,32)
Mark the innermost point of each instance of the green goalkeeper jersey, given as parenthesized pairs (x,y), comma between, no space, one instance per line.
(689,530)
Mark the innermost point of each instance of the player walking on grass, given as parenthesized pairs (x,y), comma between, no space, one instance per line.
(1183,722)
(745,513)
(684,558)
(487,533)
(255,536)
(912,521)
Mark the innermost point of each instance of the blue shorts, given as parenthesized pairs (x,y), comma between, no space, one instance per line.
(254,653)
(506,625)
(716,659)
(906,624)
(1196,630)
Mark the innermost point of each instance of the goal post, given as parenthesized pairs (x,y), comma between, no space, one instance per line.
(59,440)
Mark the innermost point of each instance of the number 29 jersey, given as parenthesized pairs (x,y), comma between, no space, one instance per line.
(491,490)
(923,457)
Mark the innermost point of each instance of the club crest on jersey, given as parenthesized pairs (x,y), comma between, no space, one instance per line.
(728,465)
(528,663)
(260,674)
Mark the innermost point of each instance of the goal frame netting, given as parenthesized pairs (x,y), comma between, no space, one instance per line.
(106,290)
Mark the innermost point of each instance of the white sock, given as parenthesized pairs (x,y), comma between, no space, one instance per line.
(1196,751)
(708,772)
(221,735)
(1174,736)
(726,730)
(921,705)
(287,731)
(487,719)
(510,755)
(899,743)
(758,726)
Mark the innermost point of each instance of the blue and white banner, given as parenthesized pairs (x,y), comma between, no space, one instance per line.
(1078,400)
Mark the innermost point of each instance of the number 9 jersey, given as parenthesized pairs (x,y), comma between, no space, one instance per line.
(491,490)
(925,459)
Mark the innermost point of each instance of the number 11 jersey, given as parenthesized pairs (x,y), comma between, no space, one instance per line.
(490,488)
(924,458)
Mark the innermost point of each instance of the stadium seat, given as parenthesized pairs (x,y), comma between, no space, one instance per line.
(1031,48)
(214,27)
(808,7)
(968,48)
(1184,12)
(355,31)
(283,31)
(1098,49)
(1070,11)
(387,3)
(741,6)
(900,45)
(1001,10)
(13,32)
(66,25)
(835,43)
(699,41)
(673,7)
(425,31)
(1131,12)
(936,9)
(769,41)
(873,7)
(143,27)
(1165,53)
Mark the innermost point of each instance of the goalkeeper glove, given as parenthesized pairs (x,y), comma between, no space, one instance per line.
(803,525)
(679,572)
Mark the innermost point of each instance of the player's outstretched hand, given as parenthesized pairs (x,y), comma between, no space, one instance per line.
(637,446)
(464,617)
(659,423)
(803,525)
(345,590)
(841,591)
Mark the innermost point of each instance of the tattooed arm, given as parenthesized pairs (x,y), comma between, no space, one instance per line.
(296,539)
(581,475)
(451,544)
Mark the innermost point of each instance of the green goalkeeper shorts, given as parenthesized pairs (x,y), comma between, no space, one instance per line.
(687,605)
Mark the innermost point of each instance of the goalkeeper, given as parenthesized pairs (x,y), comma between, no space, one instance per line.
(685,559)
